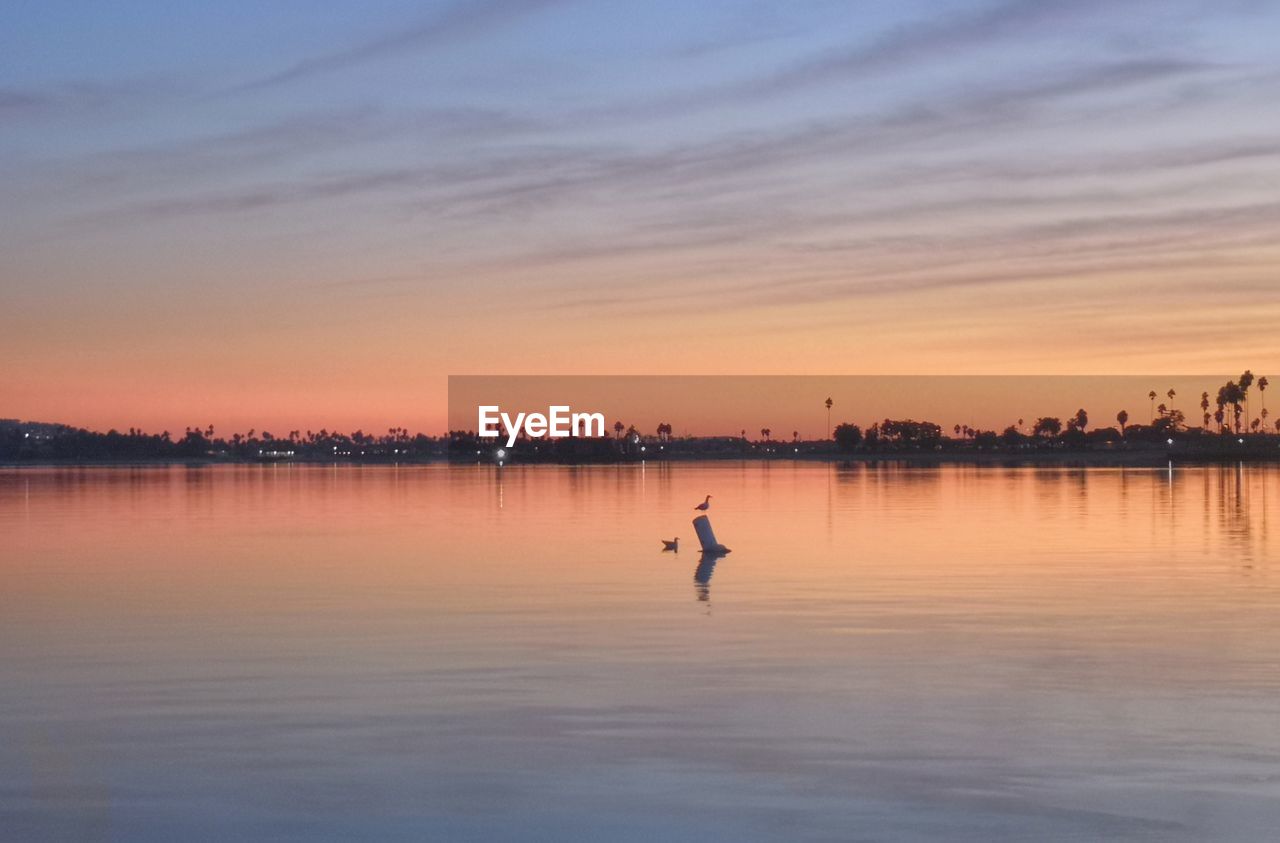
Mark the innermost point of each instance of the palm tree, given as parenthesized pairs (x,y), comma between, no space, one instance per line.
(1263,383)
(1246,381)
(1123,418)
(829,404)
(617,430)
(1232,393)
(1152,396)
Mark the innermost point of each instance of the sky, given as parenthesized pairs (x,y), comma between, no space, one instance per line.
(309,215)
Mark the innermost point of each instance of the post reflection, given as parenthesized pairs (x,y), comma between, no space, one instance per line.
(702,575)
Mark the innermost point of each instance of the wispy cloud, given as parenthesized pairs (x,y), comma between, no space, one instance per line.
(496,183)
(935,39)
(465,19)
(89,97)
(14,102)
(292,139)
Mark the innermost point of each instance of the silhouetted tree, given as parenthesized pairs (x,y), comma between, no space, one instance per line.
(848,436)
(1169,421)
(1231,393)
(1047,426)
(1123,418)
(910,432)
(1246,381)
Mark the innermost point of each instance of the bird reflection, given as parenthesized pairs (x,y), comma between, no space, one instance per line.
(702,575)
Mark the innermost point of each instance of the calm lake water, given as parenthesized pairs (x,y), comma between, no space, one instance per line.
(294,652)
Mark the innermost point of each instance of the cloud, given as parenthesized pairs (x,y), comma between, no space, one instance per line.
(513,181)
(13,102)
(465,19)
(82,97)
(922,41)
(287,140)
(693,168)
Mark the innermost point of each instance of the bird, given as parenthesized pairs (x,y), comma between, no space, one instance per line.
(674,544)
(705,505)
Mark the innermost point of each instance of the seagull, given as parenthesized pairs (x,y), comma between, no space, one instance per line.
(705,505)
(674,544)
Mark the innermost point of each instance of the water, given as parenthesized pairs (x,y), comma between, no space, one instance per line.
(293,652)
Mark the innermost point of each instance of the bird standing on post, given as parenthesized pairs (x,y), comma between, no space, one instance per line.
(705,505)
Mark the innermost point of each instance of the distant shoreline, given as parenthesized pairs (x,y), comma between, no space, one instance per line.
(1091,459)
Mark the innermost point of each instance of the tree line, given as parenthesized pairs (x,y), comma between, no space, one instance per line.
(33,442)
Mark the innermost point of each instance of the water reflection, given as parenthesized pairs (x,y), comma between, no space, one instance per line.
(481,653)
(702,575)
